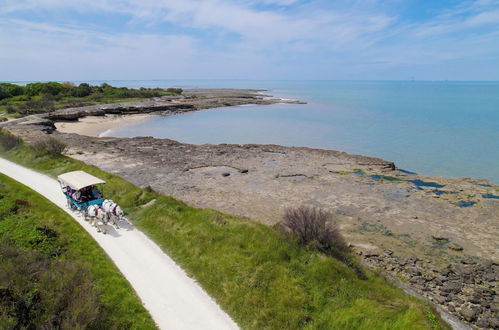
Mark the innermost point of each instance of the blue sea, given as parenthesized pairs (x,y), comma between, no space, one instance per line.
(437,128)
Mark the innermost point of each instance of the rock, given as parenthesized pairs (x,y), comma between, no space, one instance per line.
(244,171)
(444,293)
(468,314)
(455,247)
(483,322)
(225,174)
(440,238)
(494,322)
(445,272)
(489,276)
(476,309)
(468,261)
(474,299)
(413,271)
(451,287)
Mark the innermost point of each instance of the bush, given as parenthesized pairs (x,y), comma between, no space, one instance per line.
(8,140)
(176,91)
(68,84)
(11,109)
(4,93)
(39,292)
(49,146)
(38,105)
(82,90)
(48,88)
(9,90)
(315,227)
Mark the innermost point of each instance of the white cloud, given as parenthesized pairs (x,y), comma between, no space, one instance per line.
(225,39)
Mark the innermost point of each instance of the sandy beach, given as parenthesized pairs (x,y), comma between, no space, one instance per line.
(97,125)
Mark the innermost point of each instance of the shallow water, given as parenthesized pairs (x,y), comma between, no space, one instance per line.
(490,196)
(437,128)
(420,183)
(465,203)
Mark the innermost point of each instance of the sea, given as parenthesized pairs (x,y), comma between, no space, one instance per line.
(443,128)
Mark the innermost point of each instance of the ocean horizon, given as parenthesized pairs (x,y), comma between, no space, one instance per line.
(444,128)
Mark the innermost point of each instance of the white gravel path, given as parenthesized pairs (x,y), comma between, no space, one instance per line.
(174,300)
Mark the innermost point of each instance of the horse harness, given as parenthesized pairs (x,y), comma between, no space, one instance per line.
(114,208)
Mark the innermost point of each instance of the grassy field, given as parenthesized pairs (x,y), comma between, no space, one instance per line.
(37,237)
(262,278)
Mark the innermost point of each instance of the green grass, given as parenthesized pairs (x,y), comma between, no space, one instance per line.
(39,226)
(261,278)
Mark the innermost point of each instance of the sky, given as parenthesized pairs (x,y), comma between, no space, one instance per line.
(249,39)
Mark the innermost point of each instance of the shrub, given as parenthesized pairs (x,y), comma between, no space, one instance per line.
(8,140)
(9,90)
(176,91)
(83,90)
(38,105)
(49,146)
(39,292)
(316,228)
(68,84)
(4,93)
(50,88)
(11,109)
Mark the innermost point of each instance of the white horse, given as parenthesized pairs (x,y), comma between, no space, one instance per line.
(113,211)
(97,217)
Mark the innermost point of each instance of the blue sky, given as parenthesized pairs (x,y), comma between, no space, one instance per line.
(249,39)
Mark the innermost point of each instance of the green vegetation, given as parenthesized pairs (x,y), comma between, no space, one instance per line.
(48,146)
(261,277)
(9,141)
(16,100)
(53,274)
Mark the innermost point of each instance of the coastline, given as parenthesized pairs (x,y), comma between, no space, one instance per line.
(96,126)
(379,209)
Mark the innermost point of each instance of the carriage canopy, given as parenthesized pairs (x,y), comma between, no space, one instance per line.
(79,179)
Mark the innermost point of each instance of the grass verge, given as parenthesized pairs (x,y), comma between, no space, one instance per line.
(42,239)
(261,278)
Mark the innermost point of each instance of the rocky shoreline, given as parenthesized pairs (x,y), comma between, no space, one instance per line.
(190,100)
(467,290)
(443,221)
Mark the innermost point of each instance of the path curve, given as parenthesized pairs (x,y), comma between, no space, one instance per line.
(174,300)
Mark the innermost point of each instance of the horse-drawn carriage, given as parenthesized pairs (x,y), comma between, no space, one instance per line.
(82,194)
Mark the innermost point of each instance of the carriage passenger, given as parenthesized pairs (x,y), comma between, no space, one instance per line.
(76,195)
(86,194)
(96,192)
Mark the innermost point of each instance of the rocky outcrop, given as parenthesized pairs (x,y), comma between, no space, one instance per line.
(467,289)
(190,100)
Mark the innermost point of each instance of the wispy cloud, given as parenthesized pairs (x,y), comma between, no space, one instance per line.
(240,38)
